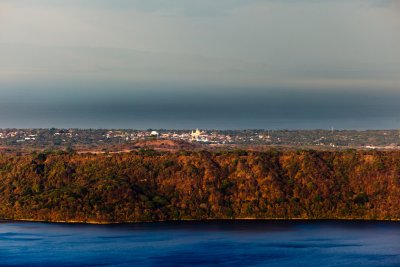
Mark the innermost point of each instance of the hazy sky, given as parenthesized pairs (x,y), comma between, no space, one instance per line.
(211,63)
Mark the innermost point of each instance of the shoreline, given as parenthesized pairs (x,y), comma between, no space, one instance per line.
(72,222)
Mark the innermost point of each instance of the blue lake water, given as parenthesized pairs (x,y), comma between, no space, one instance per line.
(210,243)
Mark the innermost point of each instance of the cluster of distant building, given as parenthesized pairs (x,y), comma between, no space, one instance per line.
(21,136)
(194,136)
(323,138)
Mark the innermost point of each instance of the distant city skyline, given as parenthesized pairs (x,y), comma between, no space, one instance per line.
(183,64)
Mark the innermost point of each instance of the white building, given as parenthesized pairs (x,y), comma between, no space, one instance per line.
(199,136)
(154,133)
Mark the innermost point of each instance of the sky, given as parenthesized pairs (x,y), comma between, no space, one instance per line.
(287,64)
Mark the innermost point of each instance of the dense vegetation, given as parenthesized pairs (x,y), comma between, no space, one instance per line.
(149,185)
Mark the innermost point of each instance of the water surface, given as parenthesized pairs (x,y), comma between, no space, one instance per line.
(211,243)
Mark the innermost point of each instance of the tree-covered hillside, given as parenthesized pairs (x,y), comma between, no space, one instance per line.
(149,185)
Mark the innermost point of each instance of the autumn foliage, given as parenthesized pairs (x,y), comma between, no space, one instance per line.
(149,185)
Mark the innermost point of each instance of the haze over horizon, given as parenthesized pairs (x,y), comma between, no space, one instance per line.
(223,64)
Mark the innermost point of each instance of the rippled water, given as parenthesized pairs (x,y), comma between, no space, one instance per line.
(211,243)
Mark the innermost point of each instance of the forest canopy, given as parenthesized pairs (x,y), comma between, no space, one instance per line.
(152,186)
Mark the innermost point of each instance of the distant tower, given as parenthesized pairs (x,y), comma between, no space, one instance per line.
(154,134)
(196,134)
